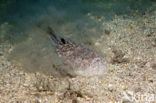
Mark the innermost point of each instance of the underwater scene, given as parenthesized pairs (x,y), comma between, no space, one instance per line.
(77,51)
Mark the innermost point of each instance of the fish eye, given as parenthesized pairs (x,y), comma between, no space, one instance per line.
(63,41)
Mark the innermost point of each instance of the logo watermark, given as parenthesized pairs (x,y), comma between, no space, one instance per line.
(139,97)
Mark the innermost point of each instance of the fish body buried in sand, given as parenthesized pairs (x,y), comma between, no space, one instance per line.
(85,62)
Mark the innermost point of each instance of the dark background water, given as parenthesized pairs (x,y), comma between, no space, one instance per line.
(27,8)
(23,13)
(77,19)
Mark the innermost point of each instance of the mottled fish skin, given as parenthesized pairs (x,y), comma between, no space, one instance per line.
(84,61)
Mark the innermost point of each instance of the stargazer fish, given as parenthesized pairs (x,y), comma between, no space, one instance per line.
(84,61)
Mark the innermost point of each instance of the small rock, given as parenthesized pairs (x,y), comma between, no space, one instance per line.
(1,54)
(74,101)
(143,64)
(107,32)
(37,95)
(153,66)
(119,57)
(10,50)
(126,101)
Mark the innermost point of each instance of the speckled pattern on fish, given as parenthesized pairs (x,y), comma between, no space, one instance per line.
(84,61)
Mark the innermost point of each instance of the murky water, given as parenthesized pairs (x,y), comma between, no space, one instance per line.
(81,20)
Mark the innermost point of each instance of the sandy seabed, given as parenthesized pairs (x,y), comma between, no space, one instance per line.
(130,48)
